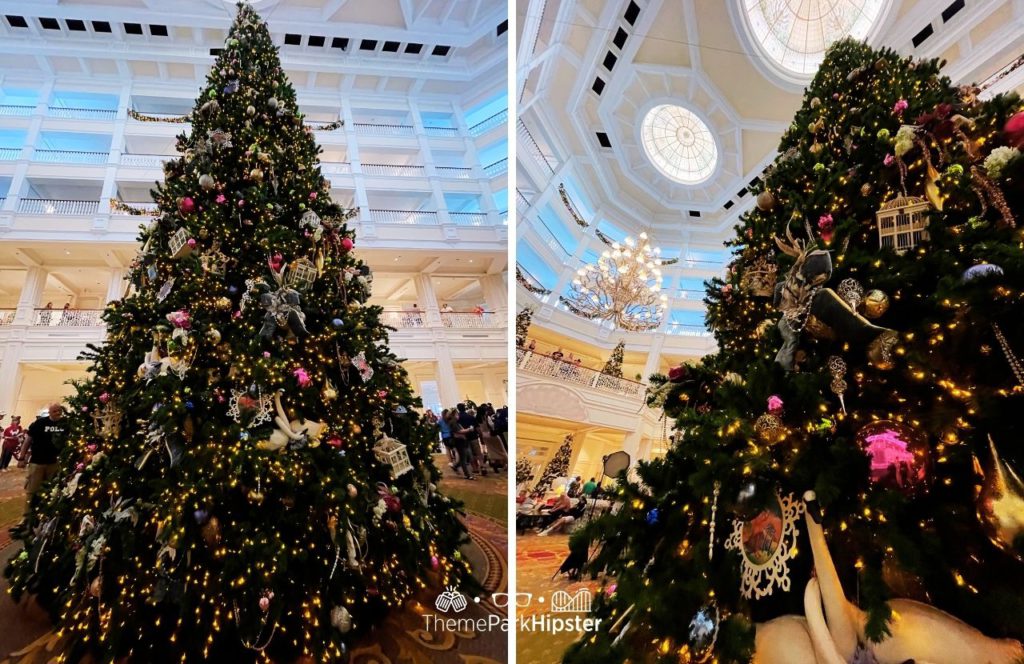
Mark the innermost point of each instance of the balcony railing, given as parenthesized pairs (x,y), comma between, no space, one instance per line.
(468,218)
(57,206)
(81,113)
(440,131)
(68,318)
(454,172)
(687,330)
(16,110)
(405,320)
(9,154)
(471,319)
(527,141)
(550,367)
(409,217)
(394,170)
(6,316)
(496,120)
(497,168)
(70,156)
(371,129)
(336,168)
(145,160)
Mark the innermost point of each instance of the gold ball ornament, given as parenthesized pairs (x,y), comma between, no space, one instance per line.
(213,334)
(816,148)
(96,587)
(223,303)
(352,491)
(875,304)
(211,531)
(769,428)
(865,189)
(329,394)
(765,201)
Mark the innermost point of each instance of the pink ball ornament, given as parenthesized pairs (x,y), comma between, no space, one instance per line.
(264,603)
(347,244)
(312,195)
(105,397)
(221,199)
(191,243)
(85,409)
(775,404)
(91,447)
(79,467)
(434,562)
(186,205)
(241,203)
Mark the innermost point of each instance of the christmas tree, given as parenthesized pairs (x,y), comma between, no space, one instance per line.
(860,416)
(244,478)
(613,367)
(557,467)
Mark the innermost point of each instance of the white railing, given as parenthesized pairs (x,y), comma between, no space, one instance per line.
(393,169)
(7,316)
(70,156)
(497,168)
(687,330)
(57,206)
(496,120)
(336,168)
(403,320)
(371,129)
(9,154)
(454,172)
(81,113)
(16,110)
(468,218)
(440,131)
(68,317)
(418,217)
(145,160)
(526,140)
(471,319)
(550,367)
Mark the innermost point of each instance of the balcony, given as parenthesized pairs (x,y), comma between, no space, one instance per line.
(6,316)
(9,154)
(497,168)
(493,122)
(16,111)
(406,217)
(69,157)
(393,170)
(57,206)
(144,160)
(468,218)
(369,129)
(454,172)
(458,320)
(67,318)
(81,113)
(443,132)
(572,374)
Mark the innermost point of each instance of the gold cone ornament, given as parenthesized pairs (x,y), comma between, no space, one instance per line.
(1000,501)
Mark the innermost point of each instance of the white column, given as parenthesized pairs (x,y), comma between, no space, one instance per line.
(495,294)
(578,441)
(360,198)
(11,378)
(631,446)
(31,292)
(116,284)
(447,384)
(428,299)
(653,356)
(495,391)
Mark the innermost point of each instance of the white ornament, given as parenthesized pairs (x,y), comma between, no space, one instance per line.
(262,404)
(341,619)
(767,542)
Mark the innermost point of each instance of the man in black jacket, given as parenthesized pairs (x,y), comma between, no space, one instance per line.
(46,437)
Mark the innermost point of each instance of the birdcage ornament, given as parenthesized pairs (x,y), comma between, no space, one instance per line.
(311,221)
(903,223)
(301,274)
(390,451)
(180,248)
(107,421)
(759,278)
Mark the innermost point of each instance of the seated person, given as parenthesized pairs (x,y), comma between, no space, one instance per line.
(562,523)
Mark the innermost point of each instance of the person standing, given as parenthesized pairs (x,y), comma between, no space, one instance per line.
(589,487)
(44,317)
(46,439)
(12,441)
(462,444)
(467,421)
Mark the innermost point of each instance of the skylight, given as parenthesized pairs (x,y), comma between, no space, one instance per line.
(795,34)
(679,144)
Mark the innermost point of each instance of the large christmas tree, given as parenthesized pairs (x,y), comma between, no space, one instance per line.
(862,413)
(244,477)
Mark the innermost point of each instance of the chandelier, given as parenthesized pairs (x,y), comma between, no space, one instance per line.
(623,288)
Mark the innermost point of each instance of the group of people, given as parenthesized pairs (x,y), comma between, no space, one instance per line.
(567,508)
(36,447)
(475,438)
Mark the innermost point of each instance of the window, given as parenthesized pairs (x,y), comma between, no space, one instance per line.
(679,144)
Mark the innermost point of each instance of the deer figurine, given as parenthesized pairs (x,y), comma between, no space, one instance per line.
(919,632)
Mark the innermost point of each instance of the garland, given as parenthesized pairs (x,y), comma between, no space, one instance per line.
(181,119)
(121,206)
(528,285)
(330,126)
(571,208)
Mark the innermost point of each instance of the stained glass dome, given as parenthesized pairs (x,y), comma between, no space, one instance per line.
(679,144)
(795,33)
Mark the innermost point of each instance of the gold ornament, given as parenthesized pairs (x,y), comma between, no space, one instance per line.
(223,303)
(818,329)
(1000,501)
(769,428)
(256,497)
(875,304)
(329,393)
(211,531)
(765,201)
(881,350)
(865,189)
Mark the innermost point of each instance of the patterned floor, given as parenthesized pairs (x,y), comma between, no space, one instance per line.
(26,636)
(537,559)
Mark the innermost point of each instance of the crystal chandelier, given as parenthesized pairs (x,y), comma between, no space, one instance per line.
(624,287)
